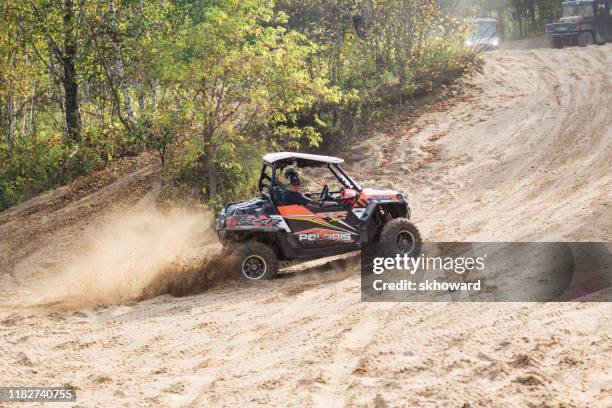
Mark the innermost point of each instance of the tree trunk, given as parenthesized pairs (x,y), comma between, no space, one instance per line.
(141,100)
(154,107)
(212,168)
(58,95)
(24,111)
(532,14)
(32,108)
(69,80)
(212,178)
(501,28)
(119,66)
(12,121)
(24,114)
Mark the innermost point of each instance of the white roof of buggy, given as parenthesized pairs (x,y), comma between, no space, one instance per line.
(275,157)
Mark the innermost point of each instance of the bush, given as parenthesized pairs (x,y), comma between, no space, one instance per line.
(29,167)
(41,162)
(236,169)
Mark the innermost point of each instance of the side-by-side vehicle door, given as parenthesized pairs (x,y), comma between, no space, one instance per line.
(320,226)
(328,220)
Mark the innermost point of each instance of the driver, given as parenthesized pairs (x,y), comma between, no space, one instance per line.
(292,195)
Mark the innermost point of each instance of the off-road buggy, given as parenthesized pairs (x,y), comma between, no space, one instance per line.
(265,234)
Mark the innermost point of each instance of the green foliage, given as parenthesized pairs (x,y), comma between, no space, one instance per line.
(35,164)
(236,169)
(241,77)
(207,85)
(378,53)
(29,167)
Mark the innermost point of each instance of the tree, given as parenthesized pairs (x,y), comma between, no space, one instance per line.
(238,74)
(208,85)
(52,29)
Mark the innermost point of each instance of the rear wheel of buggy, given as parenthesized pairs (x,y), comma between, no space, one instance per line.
(585,39)
(399,237)
(255,261)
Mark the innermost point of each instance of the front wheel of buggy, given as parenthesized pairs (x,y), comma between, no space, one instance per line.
(255,261)
(400,237)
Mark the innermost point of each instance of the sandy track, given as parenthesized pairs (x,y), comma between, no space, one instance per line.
(527,156)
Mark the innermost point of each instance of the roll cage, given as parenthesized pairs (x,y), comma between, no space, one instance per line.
(267,182)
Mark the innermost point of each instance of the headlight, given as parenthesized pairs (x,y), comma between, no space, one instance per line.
(469,43)
(495,42)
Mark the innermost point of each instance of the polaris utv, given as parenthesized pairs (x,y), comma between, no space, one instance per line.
(583,23)
(285,226)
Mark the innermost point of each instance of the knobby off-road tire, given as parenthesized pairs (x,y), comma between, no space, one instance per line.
(556,43)
(399,236)
(254,261)
(585,39)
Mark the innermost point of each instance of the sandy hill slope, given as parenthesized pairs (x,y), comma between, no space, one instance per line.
(527,157)
(524,155)
(26,228)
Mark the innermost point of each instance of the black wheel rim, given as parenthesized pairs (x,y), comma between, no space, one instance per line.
(254,267)
(404,242)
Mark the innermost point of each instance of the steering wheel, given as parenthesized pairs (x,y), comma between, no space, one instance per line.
(324,193)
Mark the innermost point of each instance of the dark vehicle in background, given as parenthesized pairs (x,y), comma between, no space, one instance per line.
(484,34)
(582,23)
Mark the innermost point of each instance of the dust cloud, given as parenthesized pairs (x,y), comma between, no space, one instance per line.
(129,257)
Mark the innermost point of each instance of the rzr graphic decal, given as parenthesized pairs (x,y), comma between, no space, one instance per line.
(272,222)
(326,223)
(362,203)
(337,217)
(368,195)
(330,226)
